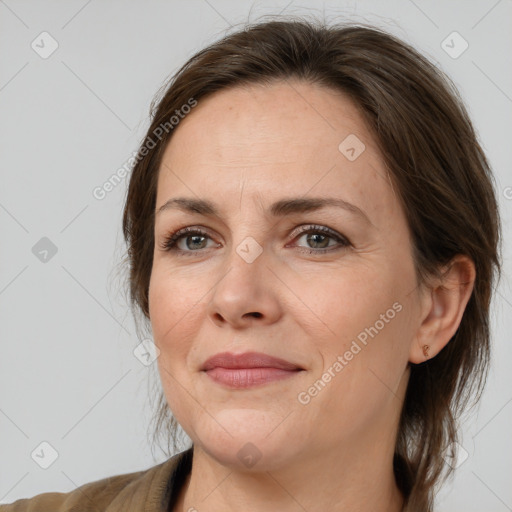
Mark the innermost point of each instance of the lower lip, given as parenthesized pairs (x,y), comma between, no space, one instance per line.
(248,377)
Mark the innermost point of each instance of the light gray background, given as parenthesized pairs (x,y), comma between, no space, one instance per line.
(68,375)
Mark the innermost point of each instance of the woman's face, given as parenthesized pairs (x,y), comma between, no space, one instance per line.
(330,289)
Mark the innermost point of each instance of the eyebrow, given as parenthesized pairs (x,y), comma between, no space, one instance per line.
(278,209)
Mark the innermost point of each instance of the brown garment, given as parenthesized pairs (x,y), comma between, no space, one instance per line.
(153,490)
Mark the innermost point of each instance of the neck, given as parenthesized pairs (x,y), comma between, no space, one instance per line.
(349,479)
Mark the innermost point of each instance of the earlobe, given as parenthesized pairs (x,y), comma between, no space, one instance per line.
(443,309)
(423,347)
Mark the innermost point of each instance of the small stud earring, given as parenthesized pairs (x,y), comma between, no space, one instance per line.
(426,348)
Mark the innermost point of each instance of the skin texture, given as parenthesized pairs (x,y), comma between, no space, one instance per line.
(244,149)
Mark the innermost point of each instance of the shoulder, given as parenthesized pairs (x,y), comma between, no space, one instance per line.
(116,493)
(93,496)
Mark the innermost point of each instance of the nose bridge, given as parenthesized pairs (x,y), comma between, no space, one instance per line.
(247,233)
(249,230)
(245,267)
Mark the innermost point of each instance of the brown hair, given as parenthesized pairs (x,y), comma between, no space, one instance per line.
(439,171)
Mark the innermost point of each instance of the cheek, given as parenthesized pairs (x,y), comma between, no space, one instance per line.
(363,315)
(175,308)
(343,302)
(364,355)
(174,303)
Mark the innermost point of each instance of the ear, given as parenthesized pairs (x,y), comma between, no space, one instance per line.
(442,307)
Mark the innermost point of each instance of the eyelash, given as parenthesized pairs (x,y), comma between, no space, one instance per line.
(169,244)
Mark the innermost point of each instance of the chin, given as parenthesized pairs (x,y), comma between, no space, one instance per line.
(255,440)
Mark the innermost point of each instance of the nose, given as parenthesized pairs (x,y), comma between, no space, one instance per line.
(245,294)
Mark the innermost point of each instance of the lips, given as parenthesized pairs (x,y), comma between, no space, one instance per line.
(238,371)
(229,360)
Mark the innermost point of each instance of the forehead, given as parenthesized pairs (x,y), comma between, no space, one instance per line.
(240,123)
(288,137)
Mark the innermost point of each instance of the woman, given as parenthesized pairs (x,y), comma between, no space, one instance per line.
(313,238)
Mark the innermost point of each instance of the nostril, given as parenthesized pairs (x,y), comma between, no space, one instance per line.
(256,314)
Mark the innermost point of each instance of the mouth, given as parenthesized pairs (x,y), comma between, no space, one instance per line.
(248,369)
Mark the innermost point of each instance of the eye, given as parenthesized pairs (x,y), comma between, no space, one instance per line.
(186,240)
(319,239)
(190,240)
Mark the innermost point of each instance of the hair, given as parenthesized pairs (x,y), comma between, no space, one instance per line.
(438,170)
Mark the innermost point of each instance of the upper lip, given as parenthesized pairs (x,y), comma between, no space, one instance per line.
(247,360)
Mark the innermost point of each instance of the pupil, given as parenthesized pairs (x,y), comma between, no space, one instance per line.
(195,239)
(311,236)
